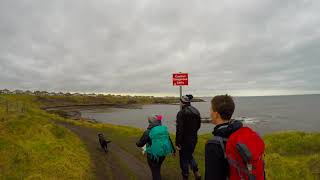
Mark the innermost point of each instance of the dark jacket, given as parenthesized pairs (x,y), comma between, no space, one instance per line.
(188,124)
(216,166)
(145,138)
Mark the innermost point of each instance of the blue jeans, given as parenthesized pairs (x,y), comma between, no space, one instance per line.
(187,160)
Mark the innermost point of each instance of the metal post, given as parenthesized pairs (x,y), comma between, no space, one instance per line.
(180,97)
(7,107)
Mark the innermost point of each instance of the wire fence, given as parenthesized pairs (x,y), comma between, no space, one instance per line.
(9,107)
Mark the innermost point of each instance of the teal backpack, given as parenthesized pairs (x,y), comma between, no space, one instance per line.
(161,145)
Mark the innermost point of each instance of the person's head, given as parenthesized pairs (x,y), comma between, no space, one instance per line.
(186,100)
(155,119)
(222,108)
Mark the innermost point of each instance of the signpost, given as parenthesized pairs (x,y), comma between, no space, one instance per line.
(180,79)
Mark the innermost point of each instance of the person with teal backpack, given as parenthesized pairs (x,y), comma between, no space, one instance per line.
(158,144)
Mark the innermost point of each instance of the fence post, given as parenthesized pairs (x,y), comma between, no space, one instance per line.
(24,107)
(7,107)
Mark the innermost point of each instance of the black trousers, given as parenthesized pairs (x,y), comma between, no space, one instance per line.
(155,167)
(187,160)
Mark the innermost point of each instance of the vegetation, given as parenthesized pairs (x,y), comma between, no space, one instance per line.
(33,147)
(293,155)
(54,101)
(289,155)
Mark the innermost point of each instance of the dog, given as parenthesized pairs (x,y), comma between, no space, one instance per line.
(103,142)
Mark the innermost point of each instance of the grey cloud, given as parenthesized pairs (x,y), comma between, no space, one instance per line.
(242,47)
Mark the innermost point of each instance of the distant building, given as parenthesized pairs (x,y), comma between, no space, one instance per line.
(52,94)
(37,93)
(28,92)
(44,93)
(60,94)
(5,91)
(18,92)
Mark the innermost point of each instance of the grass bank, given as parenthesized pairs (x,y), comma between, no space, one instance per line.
(57,101)
(293,155)
(289,155)
(33,147)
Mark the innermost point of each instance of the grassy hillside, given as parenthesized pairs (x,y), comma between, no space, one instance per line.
(53,101)
(32,147)
(293,155)
(289,155)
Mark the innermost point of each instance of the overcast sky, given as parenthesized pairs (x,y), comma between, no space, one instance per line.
(247,47)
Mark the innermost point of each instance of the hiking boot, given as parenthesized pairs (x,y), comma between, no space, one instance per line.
(197,175)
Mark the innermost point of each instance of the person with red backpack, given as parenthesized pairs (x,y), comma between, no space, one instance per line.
(235,152)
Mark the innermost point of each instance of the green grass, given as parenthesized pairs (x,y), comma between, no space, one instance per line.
(33,147)
(53,101)
(293,155)
(289,155)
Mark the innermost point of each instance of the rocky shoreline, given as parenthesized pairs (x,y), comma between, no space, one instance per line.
(74,111)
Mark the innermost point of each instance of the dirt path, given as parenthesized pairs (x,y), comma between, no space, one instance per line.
(116,164)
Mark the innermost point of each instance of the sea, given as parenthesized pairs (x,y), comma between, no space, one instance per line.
(265,114)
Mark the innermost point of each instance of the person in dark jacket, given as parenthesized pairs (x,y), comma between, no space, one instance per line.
(154,163)
(188,124)
(216,166)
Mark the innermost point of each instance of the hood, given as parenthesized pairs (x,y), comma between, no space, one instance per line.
(226,129)
(154,120)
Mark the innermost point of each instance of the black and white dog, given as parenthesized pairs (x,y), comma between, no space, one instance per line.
(103,142)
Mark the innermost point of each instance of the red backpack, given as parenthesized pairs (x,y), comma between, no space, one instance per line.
(244,150)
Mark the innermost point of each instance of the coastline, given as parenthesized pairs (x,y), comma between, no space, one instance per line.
(73,111)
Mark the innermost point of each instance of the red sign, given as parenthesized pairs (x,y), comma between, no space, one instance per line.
(180,79)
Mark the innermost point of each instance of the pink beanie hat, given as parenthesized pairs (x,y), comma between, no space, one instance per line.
(159,117)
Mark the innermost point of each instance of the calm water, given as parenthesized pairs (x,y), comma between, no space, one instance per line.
(264,114)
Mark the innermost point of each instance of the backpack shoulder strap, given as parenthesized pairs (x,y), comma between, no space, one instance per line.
(221,141)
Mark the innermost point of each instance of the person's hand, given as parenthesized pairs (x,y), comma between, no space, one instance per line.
(178,148)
